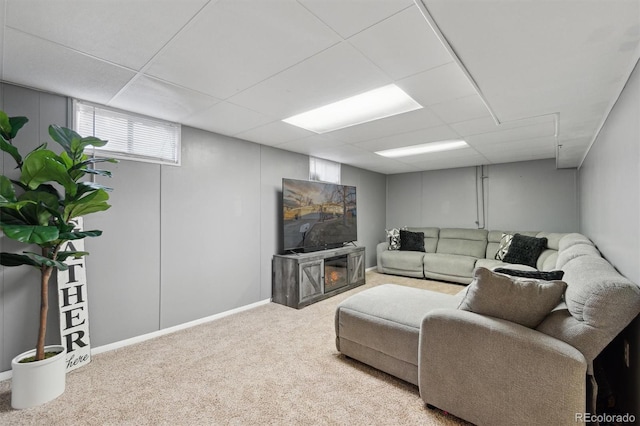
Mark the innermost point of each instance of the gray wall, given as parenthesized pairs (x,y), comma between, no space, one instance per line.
(19,287)
(530,195)
(370,195)
(179,243)
(610,216)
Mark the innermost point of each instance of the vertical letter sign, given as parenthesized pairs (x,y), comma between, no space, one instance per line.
(72,298)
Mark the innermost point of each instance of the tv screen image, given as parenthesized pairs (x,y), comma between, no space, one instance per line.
(317,215)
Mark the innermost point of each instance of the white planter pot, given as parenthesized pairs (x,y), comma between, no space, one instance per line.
(35,383)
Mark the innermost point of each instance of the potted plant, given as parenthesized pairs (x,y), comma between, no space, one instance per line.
(37,209)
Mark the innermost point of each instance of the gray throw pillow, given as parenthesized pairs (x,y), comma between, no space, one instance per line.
(525,301)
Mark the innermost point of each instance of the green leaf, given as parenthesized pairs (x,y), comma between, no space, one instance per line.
(9,126)
(13,259)
(16,124)
(78,235)
(93,202)
(97,172)
(72,142)
(39,212)
(31,234)
(79,145)
(11,150)
(63,136)
(7,191)
(96,160)
(64,255)
(44,166)
(11,216)
(5,125)
(45,261)
(86,187)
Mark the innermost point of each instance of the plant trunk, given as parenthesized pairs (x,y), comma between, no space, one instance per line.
(45,275)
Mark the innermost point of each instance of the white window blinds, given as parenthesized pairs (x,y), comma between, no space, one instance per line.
(130,136)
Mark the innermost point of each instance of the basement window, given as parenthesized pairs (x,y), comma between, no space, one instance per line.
(324,170)
(131,136)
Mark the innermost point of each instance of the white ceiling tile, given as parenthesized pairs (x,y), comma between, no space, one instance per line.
(461,109)
(450,162)
(274,133)
(232,45)
(444,83)
(311,145)
(545,146)
(481,125)
(350,17)
(341,153)
(529,56)
(370,161)
(125,32)
(167,101)
(386,44)
(434,134)
(47,66)
(402,123)
(511,135)
(227,119)
(335,74)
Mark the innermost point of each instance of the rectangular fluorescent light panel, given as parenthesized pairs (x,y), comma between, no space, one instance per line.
(372,105)
(423,148)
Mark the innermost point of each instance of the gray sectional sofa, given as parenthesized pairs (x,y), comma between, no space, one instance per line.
(452,254)
(486,369)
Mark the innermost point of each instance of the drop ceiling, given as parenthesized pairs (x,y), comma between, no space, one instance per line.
(518,80)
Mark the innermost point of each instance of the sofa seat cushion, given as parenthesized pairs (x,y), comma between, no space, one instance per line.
(385,320)
(402,260)
(449,264)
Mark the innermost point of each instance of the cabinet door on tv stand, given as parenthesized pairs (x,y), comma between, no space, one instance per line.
(310,282)
(356,267)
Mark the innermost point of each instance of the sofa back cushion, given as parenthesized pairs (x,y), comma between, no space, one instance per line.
(430,237)
(466,242)
(599,301)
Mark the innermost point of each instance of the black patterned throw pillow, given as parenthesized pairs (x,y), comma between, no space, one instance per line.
(555,275)
(411,241)
(525,250)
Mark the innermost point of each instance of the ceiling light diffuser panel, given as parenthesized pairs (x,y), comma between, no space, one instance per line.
(424,148)
(369,106)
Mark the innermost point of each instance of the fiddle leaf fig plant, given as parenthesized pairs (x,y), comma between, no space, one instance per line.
(38,207)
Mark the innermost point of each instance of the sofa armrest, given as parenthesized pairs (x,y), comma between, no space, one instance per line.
(380,248)
(490,371)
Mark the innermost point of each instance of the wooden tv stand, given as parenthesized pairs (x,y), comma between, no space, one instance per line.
(301,279)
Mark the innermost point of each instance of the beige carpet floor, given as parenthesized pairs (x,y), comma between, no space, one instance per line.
(271,365)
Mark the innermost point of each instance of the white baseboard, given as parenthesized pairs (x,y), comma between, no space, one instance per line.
(5,375)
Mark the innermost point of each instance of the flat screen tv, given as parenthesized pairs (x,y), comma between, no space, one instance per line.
(317,215)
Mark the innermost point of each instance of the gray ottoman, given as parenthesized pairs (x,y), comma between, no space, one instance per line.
(381,326)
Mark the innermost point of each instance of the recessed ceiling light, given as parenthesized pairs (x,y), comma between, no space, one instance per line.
(423,148)
(372,105)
